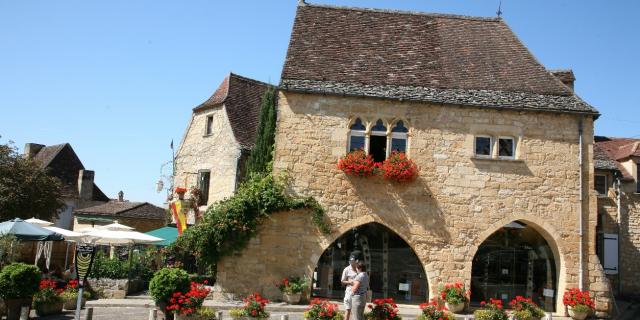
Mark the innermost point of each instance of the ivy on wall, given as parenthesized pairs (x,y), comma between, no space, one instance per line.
(228,225)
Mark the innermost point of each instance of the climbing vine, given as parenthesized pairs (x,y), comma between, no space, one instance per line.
(228,225)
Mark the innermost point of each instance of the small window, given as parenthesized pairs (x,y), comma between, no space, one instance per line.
(378,142)
(203,184)
(399,137)
(209,126)
(600,184)
(506,148)
(356,136)
(483,146)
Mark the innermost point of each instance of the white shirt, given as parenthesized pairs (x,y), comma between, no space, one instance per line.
(348,274)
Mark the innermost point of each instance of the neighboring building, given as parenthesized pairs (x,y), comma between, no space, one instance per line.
(78,190)
(617,185)
(142,216)
(218,139)
(503,202)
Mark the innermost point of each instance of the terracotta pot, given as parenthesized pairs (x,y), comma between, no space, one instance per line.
(70,304)
(291,298)
(49,308)
(14,306)
(455,308)
(577,315)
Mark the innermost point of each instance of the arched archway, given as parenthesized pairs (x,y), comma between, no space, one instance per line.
(515,260)
(395,270)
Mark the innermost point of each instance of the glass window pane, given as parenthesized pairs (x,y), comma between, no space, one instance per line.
(399,145)
(379,126)
(357,143)
(600,184)
(483,146)
(400,127)
(505,147)
(357,125)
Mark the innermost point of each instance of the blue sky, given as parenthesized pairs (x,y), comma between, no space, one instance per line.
(118,79)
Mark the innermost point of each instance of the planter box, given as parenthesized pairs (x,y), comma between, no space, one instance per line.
(116,288)
(49,308)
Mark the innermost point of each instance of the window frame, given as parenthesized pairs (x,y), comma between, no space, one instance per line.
(384,134)
(606,185)
(513,147)
(357,133)
(398,136)
(204,199)
(208,125)
(491,142)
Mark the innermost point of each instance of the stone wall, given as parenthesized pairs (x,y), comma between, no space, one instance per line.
(630,242)
(218,152)
(115,288)
(457,201)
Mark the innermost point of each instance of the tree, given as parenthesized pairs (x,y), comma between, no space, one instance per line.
(26,190)
(262,153)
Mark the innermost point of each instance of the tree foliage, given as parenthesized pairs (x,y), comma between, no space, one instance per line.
(261,155)
(26,190)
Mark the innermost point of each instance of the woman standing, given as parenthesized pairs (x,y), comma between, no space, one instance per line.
(359,291)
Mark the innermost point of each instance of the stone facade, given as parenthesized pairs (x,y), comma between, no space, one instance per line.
(455,204)
(217,152)
(115,288)
(630,242)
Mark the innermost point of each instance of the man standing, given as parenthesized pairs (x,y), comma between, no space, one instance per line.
(348,274)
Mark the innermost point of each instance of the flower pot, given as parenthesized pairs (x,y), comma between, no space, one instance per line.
(455,308)
(577,315)
(291,298)
(44,309)
(162,307)
(70,303)
(190,317)
(14,306)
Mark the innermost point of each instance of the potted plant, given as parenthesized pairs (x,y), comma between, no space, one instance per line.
(47,300)
(164,284)
(187,305)
(18,283)
(383,309)
(70,295)
(491,311)
(579,303)
(525,309)
(432,310)
(254,307)
(321,309)
(357,163)
(398,167)
(291,289)
(454,296)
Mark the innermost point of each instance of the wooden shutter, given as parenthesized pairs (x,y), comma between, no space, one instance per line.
(610,253)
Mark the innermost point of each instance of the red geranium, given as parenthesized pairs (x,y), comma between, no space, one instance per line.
(321,309)
(254,306)
(574,297)
(398,167)
(357,163)
(384,309)
(181,190)
(189,302)
(432,310)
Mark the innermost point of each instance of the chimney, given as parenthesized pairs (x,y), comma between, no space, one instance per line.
(31,149)
(566,76)
(121,196)
(85,185)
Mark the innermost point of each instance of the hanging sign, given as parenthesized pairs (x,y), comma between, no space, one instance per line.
(84,260)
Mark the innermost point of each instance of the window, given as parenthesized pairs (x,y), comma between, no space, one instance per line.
(378,142)
(209,126)
(506,147)
(600,184)
(204,177)
(483,146)
(399,137)
(356,136)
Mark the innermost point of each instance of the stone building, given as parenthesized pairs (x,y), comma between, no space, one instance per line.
(617,186)
(142,216)
(503,201)
(218,139)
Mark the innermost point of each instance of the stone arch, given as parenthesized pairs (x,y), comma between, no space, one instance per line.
(548,233)
(363,221)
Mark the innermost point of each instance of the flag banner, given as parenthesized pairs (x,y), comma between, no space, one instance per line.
(84,260)
(179,216)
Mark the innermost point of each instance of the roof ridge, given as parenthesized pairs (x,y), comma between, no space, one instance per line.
(407,12)
(249,79)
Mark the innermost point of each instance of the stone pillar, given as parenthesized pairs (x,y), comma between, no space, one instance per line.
(85,185)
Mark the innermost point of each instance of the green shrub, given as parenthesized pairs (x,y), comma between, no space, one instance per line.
(167,281)
(105,267)
(19,280)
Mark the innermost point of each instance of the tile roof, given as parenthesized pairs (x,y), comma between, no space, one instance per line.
(62,162)
(127,209)
(615,149)
(242,98)
(601,159)
(419,56)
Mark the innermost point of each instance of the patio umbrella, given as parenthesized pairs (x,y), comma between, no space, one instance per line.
(115,226)
(25,231)
(105,236)
(67,234)
(38,222)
